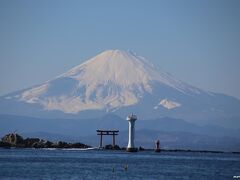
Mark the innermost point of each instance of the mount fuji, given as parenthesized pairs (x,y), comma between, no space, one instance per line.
(121,82)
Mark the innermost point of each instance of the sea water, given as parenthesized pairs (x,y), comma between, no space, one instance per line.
(99,164)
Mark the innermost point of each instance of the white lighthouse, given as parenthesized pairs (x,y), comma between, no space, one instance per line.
(131,119)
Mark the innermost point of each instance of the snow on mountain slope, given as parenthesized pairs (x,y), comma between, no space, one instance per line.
(168,104)
(110,80)
(123,68)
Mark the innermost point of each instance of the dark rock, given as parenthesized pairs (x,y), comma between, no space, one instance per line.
(48,144)
(5,144)
(79,145)
(13,139)
(111,147)
(39,144)
(62,144)
(31,142)
(116,147)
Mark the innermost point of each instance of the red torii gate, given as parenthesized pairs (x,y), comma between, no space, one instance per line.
(107,132)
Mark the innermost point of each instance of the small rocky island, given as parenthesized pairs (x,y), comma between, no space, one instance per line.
(15,140)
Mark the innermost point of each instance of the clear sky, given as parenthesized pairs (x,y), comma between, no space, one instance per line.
(197,41)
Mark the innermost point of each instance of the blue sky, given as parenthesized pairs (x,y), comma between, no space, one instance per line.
(197,41)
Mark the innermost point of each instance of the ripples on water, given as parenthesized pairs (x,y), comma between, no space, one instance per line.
(96,164)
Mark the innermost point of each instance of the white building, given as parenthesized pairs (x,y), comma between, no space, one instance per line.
(131,119)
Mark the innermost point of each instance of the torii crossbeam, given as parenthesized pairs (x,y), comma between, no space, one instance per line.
(112,133)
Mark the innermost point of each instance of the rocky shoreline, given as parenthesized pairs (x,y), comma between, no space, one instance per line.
(17,141)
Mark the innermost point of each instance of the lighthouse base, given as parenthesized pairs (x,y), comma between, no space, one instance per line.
(132,149)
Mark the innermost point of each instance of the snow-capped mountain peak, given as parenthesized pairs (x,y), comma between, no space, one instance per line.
(120,67)
(110,80)
(124,68)
(119,82)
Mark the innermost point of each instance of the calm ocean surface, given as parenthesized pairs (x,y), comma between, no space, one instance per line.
(98,164)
